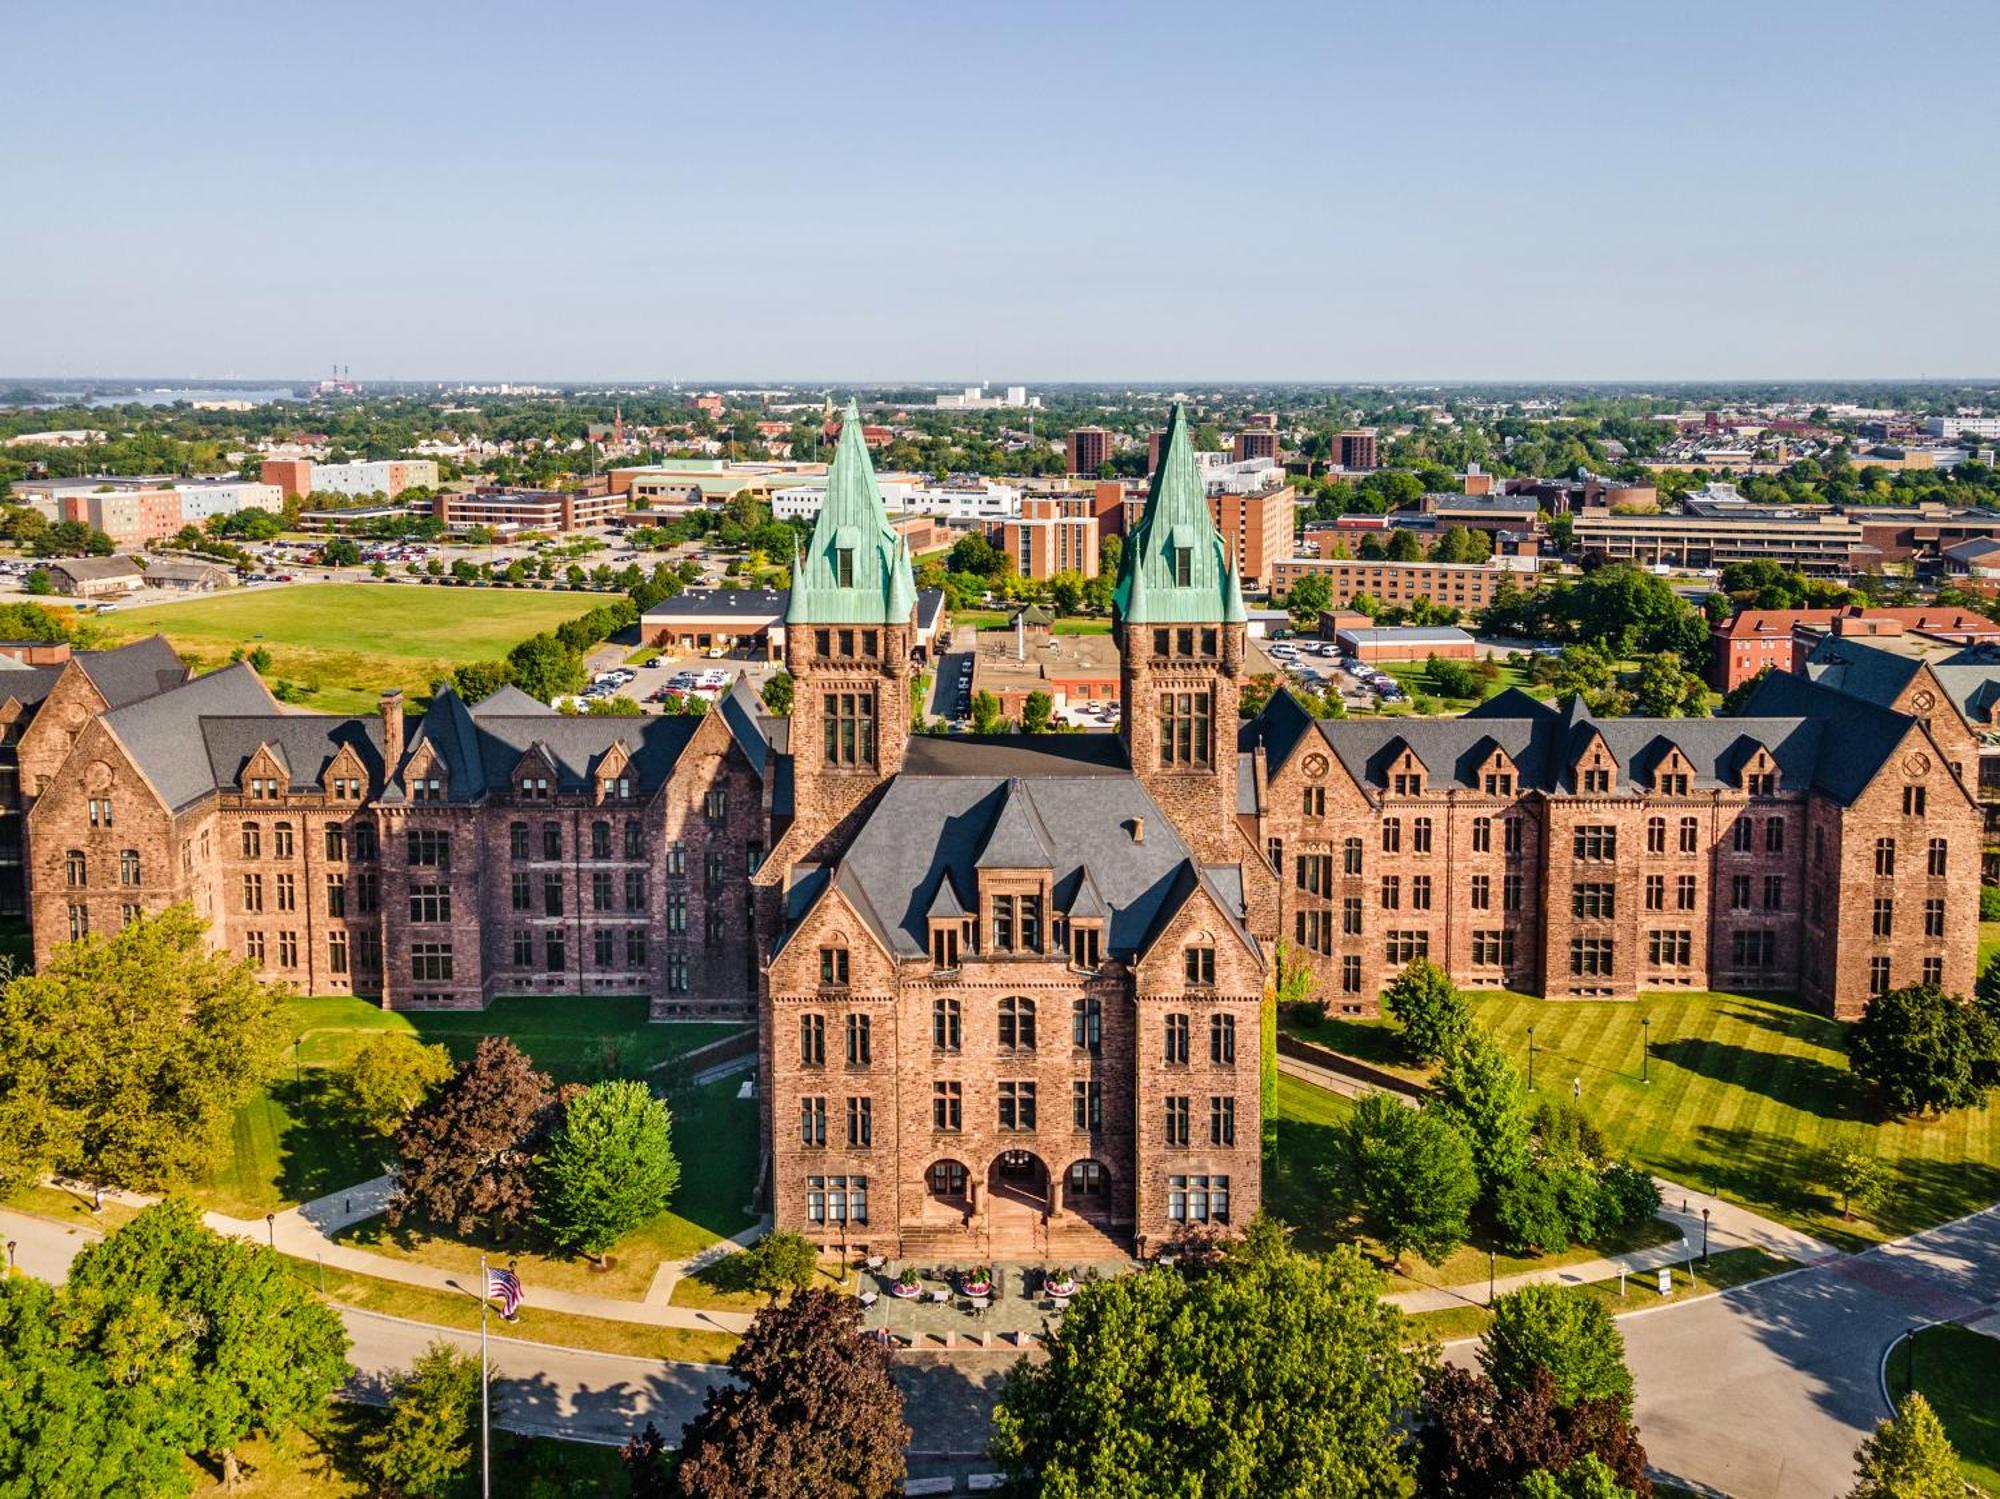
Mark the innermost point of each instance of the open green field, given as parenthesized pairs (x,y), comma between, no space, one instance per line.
(1413,678)
(1959,1374)
(1744,1093)
(292,1142)
(346,642)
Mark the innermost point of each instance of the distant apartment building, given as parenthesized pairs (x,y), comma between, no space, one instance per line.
(1713,533)
(1257,528)
(389,476)
(134,511)
(1053,534)
(1962,426)
(1357,449)
(1755,640)
(972,503)
(1460,585)
(510,510)
(1255,442)
(1089,450)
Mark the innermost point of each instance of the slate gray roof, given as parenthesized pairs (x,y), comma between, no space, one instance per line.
(1817,737)
(128,673)
(1969,675)
(305,742)
(90,569)
(743,711)
(509,699)
(937,824)
(482,751)
(1002,755)
(163,734)
(27,684)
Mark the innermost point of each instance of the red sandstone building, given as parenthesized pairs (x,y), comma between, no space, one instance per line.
(1008,991)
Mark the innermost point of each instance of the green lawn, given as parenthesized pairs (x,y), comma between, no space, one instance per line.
(346,642)
(1959,1374)
(1743,1093)
(1413,677)
(1376,1042)
(291,1143)
(1989,942)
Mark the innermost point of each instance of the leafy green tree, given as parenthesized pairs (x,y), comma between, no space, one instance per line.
(783,1260)
(1924,1051)
(1066,592)
(67,1424)
(1479,1091)
(1736,701)
(814,1413)
(1908,1457)
(1403,546)
(71,538)
(425,1447)
(544,668)
(1665,689)
(32,622)
(1265,1372)
(1037,713)
(1586,1478)
(1530,1213)
(614,707)
(478,680)
(467,1152)
(39,581)
(986,715)
(1411,1175)
(777,694)
(609,1167)
(1453,678)
(1850,1172)
(1434,1016)
(1308,597)
(124,1059)
(1563,1331)
(389,1075)
(245,1345)
(340,552)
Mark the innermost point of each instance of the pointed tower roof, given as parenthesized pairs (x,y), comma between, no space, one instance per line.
(1017,839)
(1176,569)
(945,905)
(856,569)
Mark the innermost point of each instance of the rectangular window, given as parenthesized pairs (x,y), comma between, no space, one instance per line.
(1350,856)
(1222,1040)
(1176,1040)
(336,952)
(1933,972)
(336,895)
(833,967)
(1314,873)
(521,892)
(1937,859)
(1590,957)
(1420,892)
(600,890)
(1482,835)
(1913,801)
(1884,916)
(552,894)
(1178,1115)
(1595,900)
(430,962)
(551,840)
(812,1040)
(1933,918)
(1198,1199)
(430,903)
(1510,892)
(1350,975)
(860,1123)
(1392,835)
(1739,892)
(288,949)
(1420,836)
(849,727)
(1493,948)
(860,1050)
(288,898)
(524,948)
(1221,1120)
(1594,844)
(1684,892)
(1313,930)
(517,840)
(1878,975)
(945,1107)
(1656,892)
(1690,835)
(1086,1103)
(1669,949)
(1400,947)
(1757,949)
(429,848)
(1774,892)
(635,947)
(1510,828)
(1742,835)
(945,1034)
(1017,1107)
(1774,835)
(635,889)
(812,1123)
(1656,835)
(253,892)
(1199,963)
(1392,892)
(1184,730)
(1885,857)
(1315,801)
(603,946)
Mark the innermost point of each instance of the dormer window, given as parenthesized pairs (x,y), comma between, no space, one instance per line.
(534,788)
(1595,781)
(1761,783)
(1183,567)
(843,566)
(426,789)
(944,945)
(615,789)
(1499,783)
(1085,945)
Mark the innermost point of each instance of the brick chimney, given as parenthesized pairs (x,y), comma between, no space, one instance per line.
(392,730)
(1138,826)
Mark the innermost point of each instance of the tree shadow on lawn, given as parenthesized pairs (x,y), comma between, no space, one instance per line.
(323,1147)
(1293,1184)
(1790,1019)
(1802,1082)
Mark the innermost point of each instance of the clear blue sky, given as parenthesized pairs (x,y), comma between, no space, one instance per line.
(1396,190)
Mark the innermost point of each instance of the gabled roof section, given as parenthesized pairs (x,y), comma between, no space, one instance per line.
(163,732)
(130,673)
(1082,902)
(743,712)
(509,699)
(1176,569)
(945,905)
(1017,839)
(306,744)
(1187,879)
(856,570)
(1282,724)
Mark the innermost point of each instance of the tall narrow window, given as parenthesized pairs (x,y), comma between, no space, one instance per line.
(1184,729)
(849,728)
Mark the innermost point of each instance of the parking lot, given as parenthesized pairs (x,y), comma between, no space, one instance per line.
(1321,666)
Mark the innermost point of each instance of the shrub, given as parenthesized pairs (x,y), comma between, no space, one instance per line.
(1528,1211)
(1989,902)
(1629,1196)
(1433,1014)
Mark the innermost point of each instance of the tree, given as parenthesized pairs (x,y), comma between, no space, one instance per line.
(1037,713)
(467,1152)
(783,1260)
(1909,1457)
(1476,1440)
(244,1345)
(1851,1173)
(1563,1331)
(340,552)
(609,1167)
(426,1444)
(649,1464)
(1066,592)
(1403,546)
(986,715)
(1479,1091)
(1736,701)
(1924,1051)
(777,694)
(544,668)
(1262,1372)
(1453,678)
(124,1059)
(388,1076)
(1411,1175)
(614,707)
(1308,597)
(1664,689)
(478,680)
(814,1414)
(72,538)
(1586,1478)
(1433,1014)
(67,1425)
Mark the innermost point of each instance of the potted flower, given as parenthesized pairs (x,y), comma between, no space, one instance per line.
(905,1285)
(978,1281)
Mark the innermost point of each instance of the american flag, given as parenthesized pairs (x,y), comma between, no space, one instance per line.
(504,1286)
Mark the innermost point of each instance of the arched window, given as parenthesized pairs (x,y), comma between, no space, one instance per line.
(1017,1024)
(1085,1179)
(76,869)
(281,840)
(600,840)
(947,1179)
(253,841)
(128,867)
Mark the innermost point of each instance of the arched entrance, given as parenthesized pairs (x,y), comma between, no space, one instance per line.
(947,1192)
(1086,1191)
(1017,1203)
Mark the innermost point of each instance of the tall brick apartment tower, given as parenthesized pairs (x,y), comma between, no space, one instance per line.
(1180,623)
(849,632)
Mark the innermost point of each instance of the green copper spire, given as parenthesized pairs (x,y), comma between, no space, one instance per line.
(856,570)
(1176,569)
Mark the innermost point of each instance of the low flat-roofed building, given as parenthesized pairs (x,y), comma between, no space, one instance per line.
(95,577)
(186,575)
(510,510)
(357,518)
(698,619)
(1072,669)
(1460,585)
(1407,643)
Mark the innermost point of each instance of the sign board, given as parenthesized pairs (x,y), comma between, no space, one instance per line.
(1666,1281)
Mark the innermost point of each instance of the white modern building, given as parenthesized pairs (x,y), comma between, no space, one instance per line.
(961,503)
(1963,426)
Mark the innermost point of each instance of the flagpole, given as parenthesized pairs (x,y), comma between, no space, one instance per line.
(485,1422)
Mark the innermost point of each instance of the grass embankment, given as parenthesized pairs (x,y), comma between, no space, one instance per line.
(1308,1121)
(346,642)
(1959,1374)
(1727,1268)
(292,1142)
(1744,1094)
(1000,619)
(533,1324)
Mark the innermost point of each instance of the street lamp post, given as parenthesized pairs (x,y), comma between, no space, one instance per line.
(10,1255)
(271,1227)
(1492,1258)
(1704,1236)
(298,1067)
(1645,1048)
(1531,1059)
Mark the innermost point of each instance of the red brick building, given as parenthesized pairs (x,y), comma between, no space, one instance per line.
(1753,640)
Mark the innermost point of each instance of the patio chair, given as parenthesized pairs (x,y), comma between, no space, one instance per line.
(869,1298)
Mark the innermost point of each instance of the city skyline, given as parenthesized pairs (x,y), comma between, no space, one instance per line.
(1073,196)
